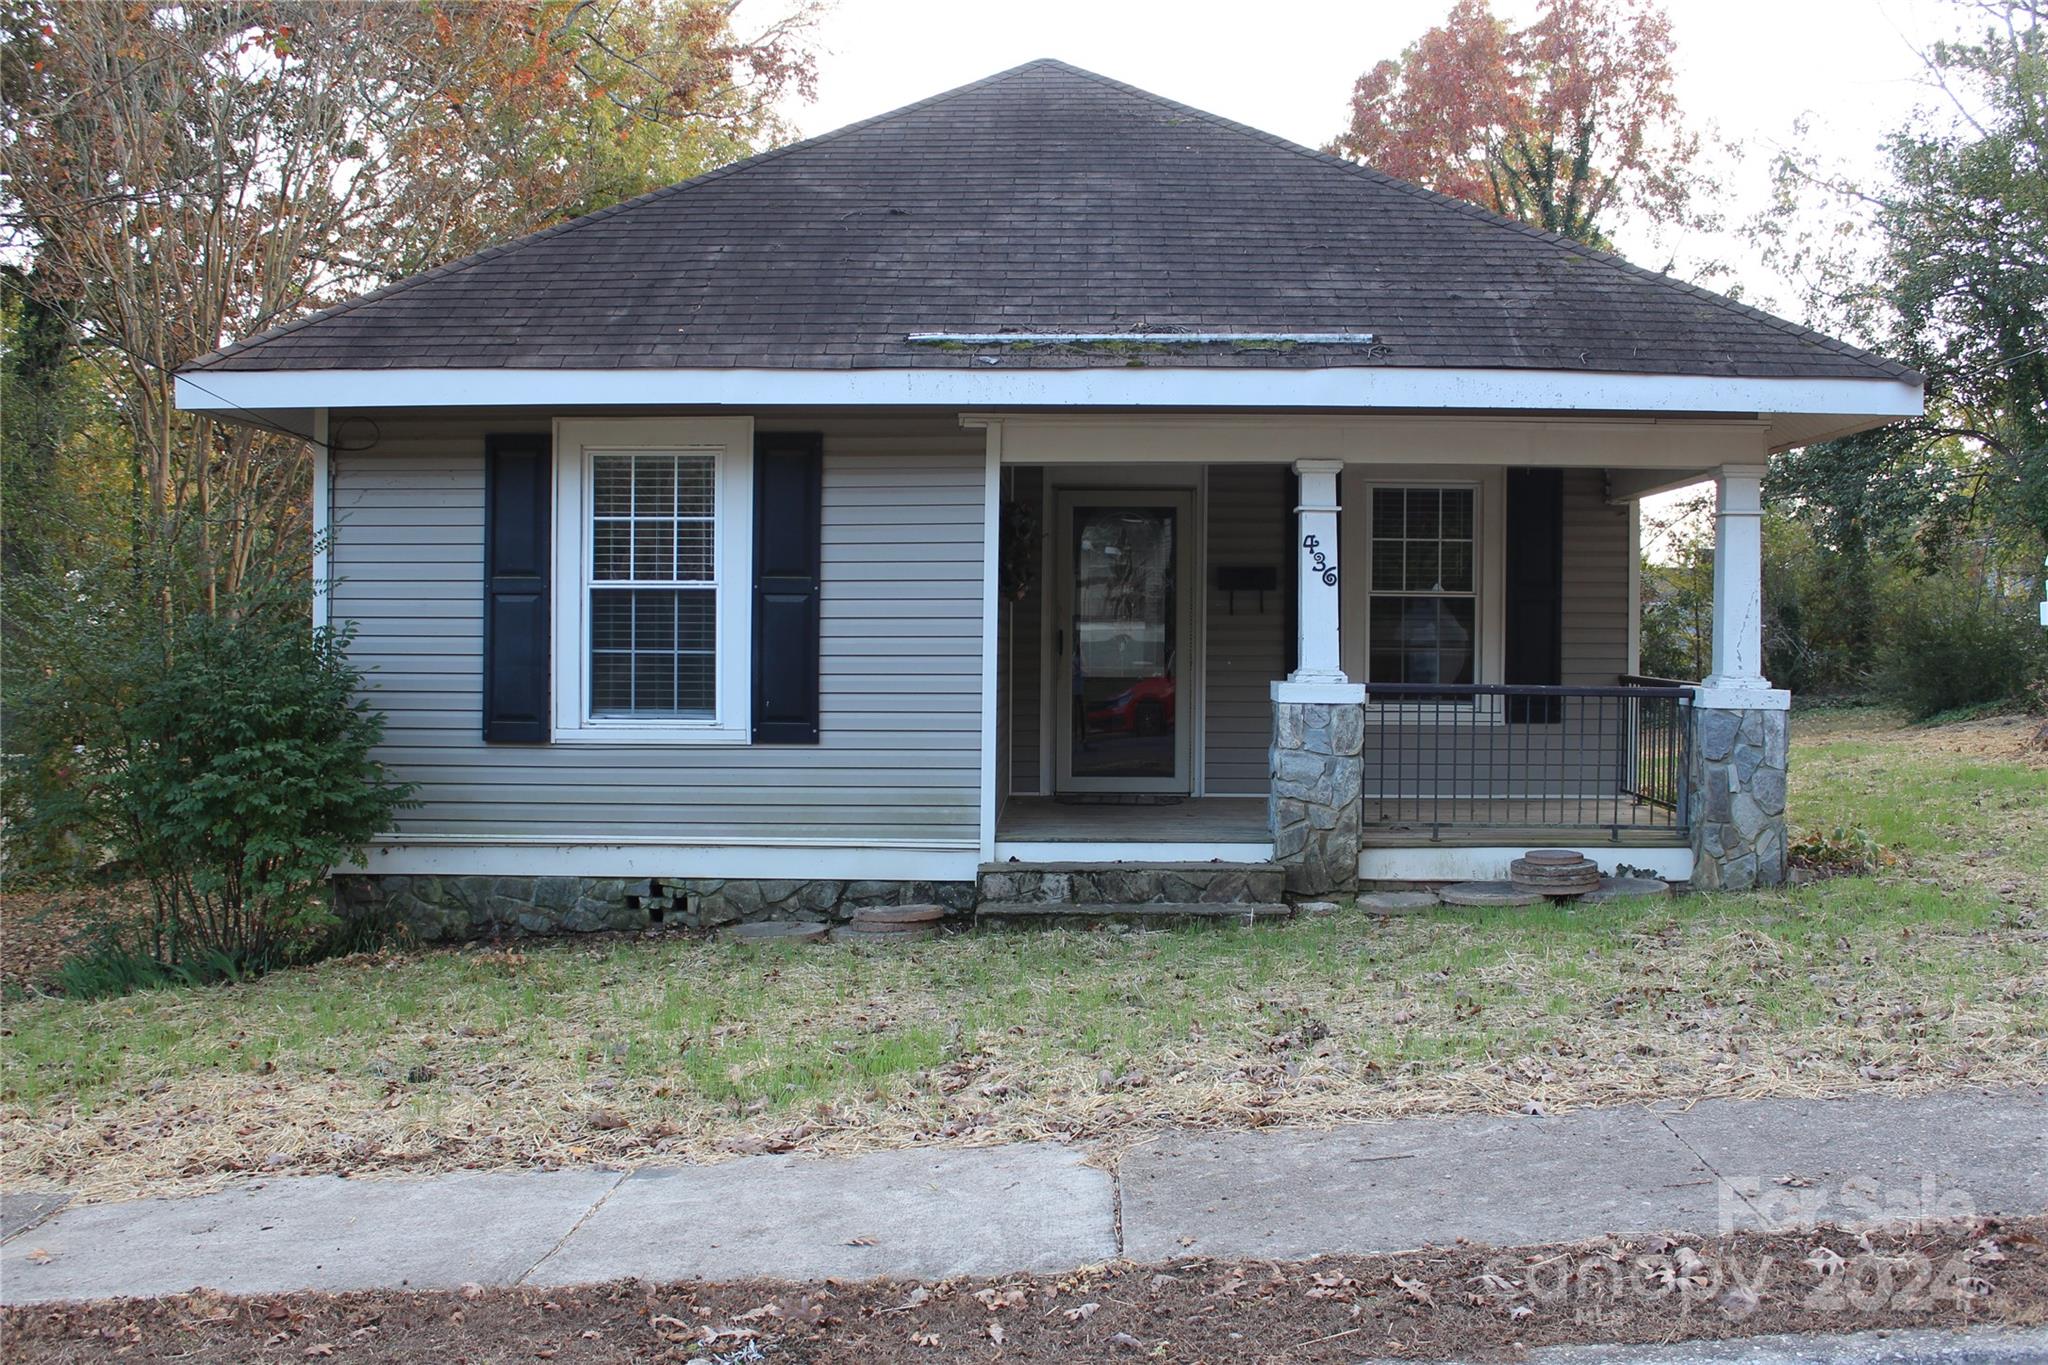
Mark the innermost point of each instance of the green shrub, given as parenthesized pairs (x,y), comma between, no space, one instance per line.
(1950,646)
(224,759)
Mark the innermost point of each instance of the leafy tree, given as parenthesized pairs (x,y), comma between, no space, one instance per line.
(1966,246)
(1955,284)
(181,173)
(47,401)
(1568,124)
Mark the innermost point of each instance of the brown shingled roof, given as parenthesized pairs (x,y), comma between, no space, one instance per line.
(1045,198)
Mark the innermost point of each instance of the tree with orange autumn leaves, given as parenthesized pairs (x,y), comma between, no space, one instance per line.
(1568,124)
(183,173)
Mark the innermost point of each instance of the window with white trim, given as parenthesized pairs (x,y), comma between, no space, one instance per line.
(653,584)
(653,608)
(1422,615)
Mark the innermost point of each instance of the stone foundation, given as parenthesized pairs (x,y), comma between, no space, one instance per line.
(1738,795)
(1133,884)
(447,909)
(1314,802)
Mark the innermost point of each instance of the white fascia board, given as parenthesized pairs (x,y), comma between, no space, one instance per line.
(1381,387)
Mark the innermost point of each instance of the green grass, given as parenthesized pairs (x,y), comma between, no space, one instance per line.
(1924,806)
(1935,972)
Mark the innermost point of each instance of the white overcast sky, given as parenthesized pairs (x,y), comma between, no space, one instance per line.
(1750,67)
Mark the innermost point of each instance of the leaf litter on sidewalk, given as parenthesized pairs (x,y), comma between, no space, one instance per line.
(1467,1301)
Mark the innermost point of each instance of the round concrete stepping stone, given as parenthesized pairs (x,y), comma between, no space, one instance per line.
(775,931)
(1622,888)
(897,914)
(1489,893)
(1554,872)
(1397,902)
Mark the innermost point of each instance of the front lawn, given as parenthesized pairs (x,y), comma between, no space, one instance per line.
(1933,973)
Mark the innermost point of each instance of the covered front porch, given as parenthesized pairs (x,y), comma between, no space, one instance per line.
(1430,663)
(1452,794)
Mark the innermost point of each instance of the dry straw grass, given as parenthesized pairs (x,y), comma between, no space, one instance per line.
(666,1050)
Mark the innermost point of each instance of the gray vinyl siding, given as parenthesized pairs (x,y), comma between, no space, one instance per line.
(1596,605)
(1247,646)
(900,651)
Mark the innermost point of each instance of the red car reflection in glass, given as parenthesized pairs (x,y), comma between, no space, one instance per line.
(1144,708)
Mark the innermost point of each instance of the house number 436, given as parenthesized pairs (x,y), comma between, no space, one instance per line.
(1318,561)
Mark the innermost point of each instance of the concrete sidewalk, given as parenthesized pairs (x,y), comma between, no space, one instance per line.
(1720,1165)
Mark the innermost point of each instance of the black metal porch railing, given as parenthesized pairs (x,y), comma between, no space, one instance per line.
(1452,758)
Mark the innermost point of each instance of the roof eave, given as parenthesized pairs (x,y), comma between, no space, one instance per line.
(1800,410)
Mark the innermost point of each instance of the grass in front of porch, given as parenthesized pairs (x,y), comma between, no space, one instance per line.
(1934,973)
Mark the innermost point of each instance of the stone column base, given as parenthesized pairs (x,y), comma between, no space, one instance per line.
(1313,805)
(1738,797)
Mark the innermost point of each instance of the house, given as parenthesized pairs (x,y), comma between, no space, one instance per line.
(1041,479)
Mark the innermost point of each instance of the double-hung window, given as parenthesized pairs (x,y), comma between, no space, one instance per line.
(653,584)
(653,598)
(1422,617)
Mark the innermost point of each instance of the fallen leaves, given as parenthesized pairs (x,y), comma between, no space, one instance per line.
(995,1300)
(1414,1289)
(429,1062)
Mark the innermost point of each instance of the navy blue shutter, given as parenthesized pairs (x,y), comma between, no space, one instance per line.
(518,483)
(1535,589)
(788,494)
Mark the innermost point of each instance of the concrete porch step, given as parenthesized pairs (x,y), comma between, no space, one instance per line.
(1216,883)
(1156,915)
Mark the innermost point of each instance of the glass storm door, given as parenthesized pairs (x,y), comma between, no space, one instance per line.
(1120,636)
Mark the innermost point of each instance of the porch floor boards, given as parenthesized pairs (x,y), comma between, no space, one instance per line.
(1196,820)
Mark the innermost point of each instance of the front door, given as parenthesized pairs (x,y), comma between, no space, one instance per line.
(1124,591)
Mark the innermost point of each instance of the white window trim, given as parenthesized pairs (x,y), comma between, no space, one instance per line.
(1489,575)
(730,440)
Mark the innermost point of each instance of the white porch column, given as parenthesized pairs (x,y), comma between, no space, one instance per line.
(1738,661)
(1314,805)
(1318,658)
(1738,749)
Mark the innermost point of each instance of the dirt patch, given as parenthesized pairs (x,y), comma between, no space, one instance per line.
(1473,1302)
(2021,739)
(2002,739)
